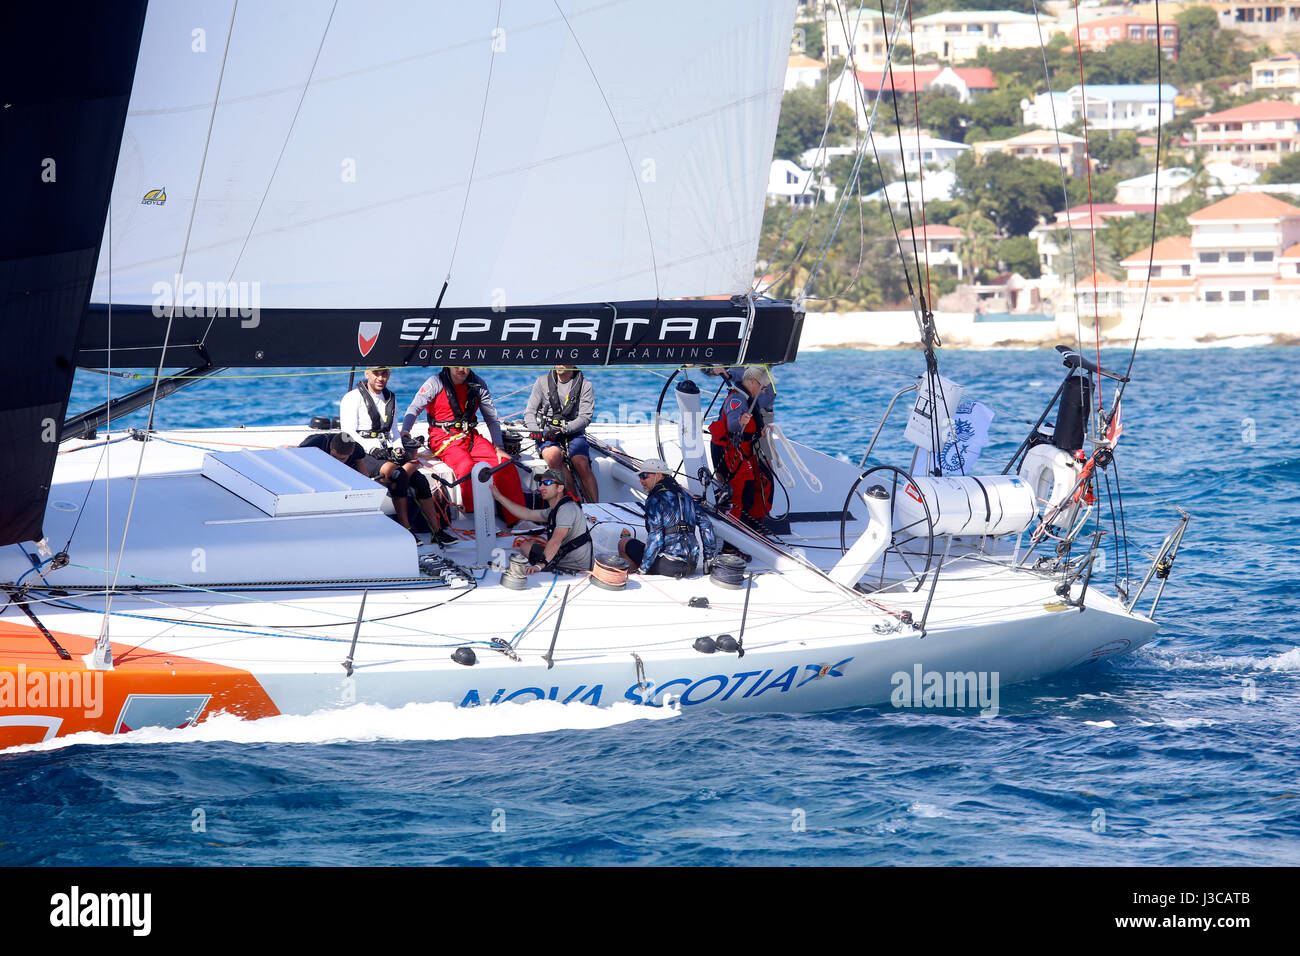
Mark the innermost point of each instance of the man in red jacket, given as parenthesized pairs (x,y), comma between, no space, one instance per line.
(452,399)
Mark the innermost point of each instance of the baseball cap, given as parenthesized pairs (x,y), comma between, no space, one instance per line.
(552,474)
(652,465)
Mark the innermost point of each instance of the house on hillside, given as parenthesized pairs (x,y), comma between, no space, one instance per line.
(930,187)
(957,35)
(1109,106)
(1259,18)
(1166,186)
(1099,34)
(789,184)
(1054,250)
(1099,295)
(862,35)
(1048,145)
(938,247)
(966,83)
(1256,135)
(803,70)
(1280,74)
(1243,250)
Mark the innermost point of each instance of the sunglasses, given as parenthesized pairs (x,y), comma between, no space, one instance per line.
(645,474)
(548,481)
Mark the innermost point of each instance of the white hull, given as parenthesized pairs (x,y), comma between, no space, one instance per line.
(809,643)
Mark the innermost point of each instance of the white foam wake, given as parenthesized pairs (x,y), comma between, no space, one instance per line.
(368,722)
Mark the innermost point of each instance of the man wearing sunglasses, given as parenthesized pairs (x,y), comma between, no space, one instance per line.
(568,543)
(671,520)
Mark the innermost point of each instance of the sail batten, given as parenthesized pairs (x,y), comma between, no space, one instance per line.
(361,211)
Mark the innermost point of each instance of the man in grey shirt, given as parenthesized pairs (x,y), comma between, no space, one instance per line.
(560,408)
(568,543)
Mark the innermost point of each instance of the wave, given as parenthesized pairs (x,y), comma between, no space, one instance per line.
(370,722)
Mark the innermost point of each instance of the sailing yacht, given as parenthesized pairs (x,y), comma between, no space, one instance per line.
(340,183)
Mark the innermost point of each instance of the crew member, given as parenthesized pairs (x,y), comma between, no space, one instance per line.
(344,449)
(671,520)
(568,543)
(367,415)
(560,407)
(735,437)
(452,400)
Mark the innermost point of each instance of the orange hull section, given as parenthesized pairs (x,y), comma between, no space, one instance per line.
(43,696)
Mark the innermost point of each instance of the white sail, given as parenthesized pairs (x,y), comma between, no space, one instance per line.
(623,154)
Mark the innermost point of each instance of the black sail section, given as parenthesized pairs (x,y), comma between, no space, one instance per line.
(65,81)
(666,333)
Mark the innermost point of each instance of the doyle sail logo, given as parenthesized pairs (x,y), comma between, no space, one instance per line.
(367,336)
(155,197)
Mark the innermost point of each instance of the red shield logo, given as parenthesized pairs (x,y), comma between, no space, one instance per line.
(367,336)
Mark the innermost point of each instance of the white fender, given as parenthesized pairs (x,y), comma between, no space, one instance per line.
(1050,473)
(966,504)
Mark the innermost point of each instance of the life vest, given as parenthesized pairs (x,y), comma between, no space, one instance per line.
(573,544)
(741,461)
(446,410)
(742,441)
(558,411)
(682,526)
(379,428)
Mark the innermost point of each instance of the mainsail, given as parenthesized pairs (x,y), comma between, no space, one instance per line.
(534,156)
(63,101)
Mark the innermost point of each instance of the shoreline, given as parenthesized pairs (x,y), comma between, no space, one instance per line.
(880,331)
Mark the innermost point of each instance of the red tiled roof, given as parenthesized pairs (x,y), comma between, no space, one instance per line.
(936,231)
(905,80)
(1245,206)
(1169,249)
(1097,279)
(1259,110)
(1292,253)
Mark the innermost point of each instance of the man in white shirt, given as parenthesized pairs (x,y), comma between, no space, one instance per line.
(367,415)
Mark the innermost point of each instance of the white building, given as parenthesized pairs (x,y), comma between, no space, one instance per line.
(1131,106)
(803,71)
(789,184)
(1277,73)
(937,186)
(917,152)
(1243,250)
(865,40)
(957,35)
(1168,186)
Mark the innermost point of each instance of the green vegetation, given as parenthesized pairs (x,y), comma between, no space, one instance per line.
(803,118)
(1287,170)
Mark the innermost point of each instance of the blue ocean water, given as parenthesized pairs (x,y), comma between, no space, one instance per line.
(1182,753)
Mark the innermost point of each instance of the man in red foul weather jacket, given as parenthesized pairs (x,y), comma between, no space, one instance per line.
(452,399)
(735,438)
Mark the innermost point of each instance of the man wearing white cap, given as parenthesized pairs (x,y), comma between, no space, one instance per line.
(671,521)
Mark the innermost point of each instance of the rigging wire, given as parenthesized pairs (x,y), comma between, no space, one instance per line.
(1151,252)
(102,644)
